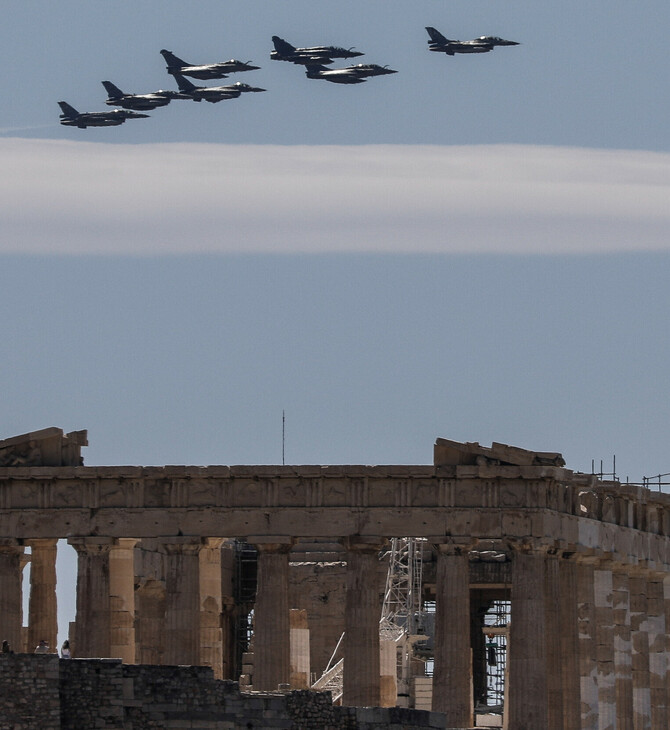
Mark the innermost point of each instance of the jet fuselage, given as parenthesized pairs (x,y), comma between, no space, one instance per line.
(213,94)
(112,118)
(220,70)
(312,55)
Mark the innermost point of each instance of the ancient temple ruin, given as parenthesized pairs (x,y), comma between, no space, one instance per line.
(538,597)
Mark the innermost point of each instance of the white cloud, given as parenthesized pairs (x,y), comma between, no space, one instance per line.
(80,197)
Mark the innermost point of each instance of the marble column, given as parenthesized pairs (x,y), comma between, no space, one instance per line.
(622,648)
(658,659)
(272,630)
(122,599)
(527,644)
(640,651)
(603,597)
(588,665)
(11,600)
(93,621)
(211,635)
(150,622)
(362,685)
(452,676)
(569,642)
(552,607)
(182,600)
(42,608)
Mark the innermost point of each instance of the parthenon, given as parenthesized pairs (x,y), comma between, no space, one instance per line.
(583,564)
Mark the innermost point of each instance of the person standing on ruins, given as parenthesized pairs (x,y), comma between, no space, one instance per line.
(42,647)
(65,650)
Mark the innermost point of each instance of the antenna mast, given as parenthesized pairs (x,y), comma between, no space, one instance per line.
(283,437)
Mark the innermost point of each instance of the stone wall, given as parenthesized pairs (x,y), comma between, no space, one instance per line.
(42,691)
(30,692)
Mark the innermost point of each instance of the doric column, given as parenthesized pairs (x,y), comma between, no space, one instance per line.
(93,622)
(42,610)
(452,676)
(10,592)
(552,607)
(622,648)
(602,591)
(211,635)
(361,623)
(150,622)
(182,601)
(658,660)
(272,630)
(527,644)
(639,634)
(569,642)
(300,663)
(588,666)
(122,599)
(228,609)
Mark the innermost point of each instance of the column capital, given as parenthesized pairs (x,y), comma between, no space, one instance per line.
(532,547)
(271,543)
(93,545)
(9,545)
(182,545)
(360,544)
(453,546)
(42,542)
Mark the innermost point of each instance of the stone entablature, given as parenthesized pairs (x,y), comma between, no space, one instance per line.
(552,506)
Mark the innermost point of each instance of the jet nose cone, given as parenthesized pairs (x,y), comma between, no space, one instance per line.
(256,88)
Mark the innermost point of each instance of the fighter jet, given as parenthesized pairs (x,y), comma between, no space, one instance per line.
(187,90)
(116,97)
(350,75)
(483,44)
(176,65)
(112,118)
(314,55)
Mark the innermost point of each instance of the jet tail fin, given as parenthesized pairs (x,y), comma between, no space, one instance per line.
(113,92)
(68,111)
(173,62)
(436,36)
(282,47)
(184,84)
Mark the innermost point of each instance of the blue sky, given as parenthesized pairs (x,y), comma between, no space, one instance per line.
(475,247)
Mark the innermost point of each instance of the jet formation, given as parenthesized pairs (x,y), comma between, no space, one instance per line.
(315,59)
(178,68)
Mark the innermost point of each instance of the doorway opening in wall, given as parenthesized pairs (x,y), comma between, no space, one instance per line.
(244,589)
(490,660)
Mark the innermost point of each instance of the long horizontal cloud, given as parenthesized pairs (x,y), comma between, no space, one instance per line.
(89,198)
